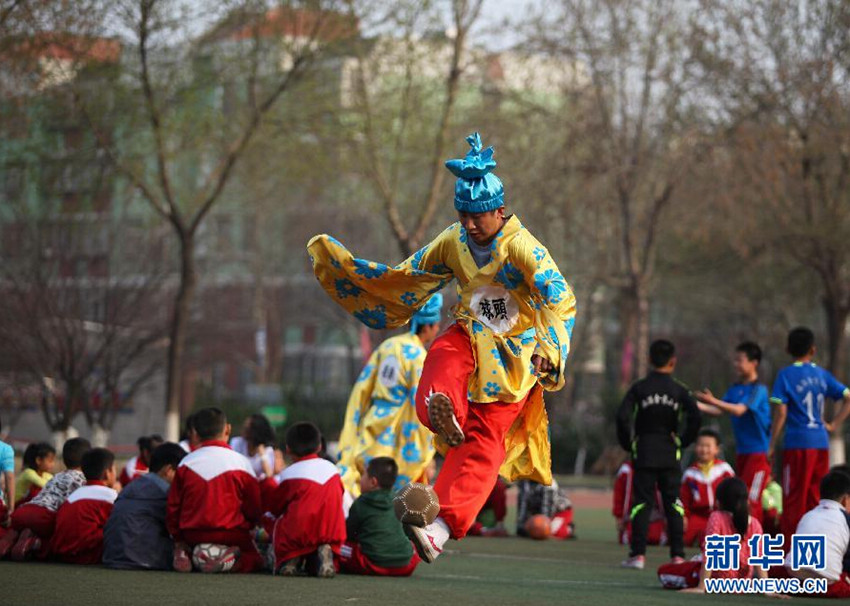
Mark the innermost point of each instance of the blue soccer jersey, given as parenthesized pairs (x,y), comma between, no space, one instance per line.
(752,429)
(804,387)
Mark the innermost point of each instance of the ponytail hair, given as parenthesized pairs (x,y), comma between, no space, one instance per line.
(732,497)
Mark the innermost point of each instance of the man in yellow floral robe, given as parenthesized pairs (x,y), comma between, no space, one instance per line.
(380,419)
(481,386)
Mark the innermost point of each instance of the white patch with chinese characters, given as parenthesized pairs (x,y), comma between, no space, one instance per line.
(495,308)
(389,372)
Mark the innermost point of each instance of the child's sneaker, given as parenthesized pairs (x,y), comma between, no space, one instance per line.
(325,556)
(495,531)
(28,543)
(441,414)
(291,568)
(7,541)
(429,541)
(223,561)
(636,562)
(181,562)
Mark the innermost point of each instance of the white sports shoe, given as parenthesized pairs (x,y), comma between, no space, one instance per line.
(429,541)
(636,562)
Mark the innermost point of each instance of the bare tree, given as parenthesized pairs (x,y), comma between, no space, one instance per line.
(392,119)
(640,146)
(75,329)
(780,73)
(255,53)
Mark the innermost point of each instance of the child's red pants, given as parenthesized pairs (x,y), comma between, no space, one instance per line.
(353,561)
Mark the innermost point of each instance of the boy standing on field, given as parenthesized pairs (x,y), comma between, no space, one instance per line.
(747,404)
(648,427)
(799,394)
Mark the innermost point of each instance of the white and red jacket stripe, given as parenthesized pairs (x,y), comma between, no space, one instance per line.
(698,489)
(134,468)
(78,537)
(308,506)
(214,489)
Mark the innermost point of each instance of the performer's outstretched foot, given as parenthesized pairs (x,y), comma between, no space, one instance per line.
(429,541)
(441,413)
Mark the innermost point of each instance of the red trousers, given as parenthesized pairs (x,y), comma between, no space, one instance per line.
(802,471)
(497,502)
(39,519)
(354,561)
(249,560)
(754,470)
(679,576)
(695,530)
(470,470)
(657,534)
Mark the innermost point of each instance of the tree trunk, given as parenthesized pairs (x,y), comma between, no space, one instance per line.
(99,436)
(642,318)
(836,326)
(60,436)
(177,342)
(628,330)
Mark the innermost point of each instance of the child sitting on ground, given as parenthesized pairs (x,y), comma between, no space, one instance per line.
(376,542)
(831,519)
(7,485)
(732,517)
(550,501)
(699,483)
(37,471)
(214,498)
(33,522)
(135,535)
(310,525)
(138,465)
(78,538)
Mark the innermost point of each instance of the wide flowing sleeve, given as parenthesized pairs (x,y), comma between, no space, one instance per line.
(378,295)
(555,308)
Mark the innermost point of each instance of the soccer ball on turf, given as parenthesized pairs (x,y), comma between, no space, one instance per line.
(416,504)
(538,527)
(211,557)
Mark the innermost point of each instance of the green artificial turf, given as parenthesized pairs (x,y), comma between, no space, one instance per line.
(475,571)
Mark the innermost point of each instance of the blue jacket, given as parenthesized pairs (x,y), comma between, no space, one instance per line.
(135,534)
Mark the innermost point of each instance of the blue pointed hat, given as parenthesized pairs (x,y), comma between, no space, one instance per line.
(428,313)
(477,189)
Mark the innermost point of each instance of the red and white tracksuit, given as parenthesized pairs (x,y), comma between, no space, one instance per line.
(622,508)
(134,468)
(308,506)
(470,469)
(78,536)
(215,498)
(697,496)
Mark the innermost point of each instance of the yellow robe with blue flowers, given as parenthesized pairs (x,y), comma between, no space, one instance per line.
(380,419)
(515,306)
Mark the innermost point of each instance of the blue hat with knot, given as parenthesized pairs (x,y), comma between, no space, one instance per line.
(477,189)
(428,313)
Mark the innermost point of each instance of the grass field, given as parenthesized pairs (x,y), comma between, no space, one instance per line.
(475,571)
